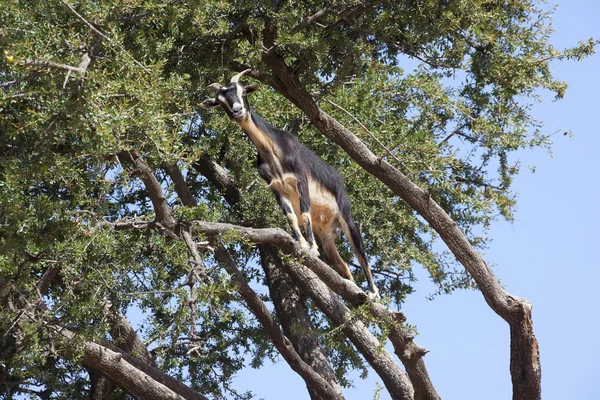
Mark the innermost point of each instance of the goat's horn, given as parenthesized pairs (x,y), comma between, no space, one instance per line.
(237,77)
(215,86)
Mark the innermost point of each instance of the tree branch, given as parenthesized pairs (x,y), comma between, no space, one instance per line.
(217,175)
(49,64)
(182,189)
(92,27)
(388,152)
(352,13)
(380,360)
(146,382)
(155,192)
(315,17)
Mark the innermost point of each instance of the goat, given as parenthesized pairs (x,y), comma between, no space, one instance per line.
(305,187)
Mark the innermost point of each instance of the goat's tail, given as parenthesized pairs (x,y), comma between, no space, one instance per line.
(353,234)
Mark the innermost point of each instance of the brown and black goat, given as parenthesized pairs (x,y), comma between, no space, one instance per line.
(309,191)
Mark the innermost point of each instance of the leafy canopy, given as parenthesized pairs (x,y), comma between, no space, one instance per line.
(443,91)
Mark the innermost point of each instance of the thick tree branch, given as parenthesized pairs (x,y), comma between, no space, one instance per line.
(217,175)
(46,280)
(359,335)
(126,338)
(155,192)
(101,388)
(145,383)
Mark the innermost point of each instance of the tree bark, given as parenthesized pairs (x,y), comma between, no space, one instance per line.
(182,189)
(101,387)
(147,383)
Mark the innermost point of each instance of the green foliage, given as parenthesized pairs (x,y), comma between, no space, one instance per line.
(444,89)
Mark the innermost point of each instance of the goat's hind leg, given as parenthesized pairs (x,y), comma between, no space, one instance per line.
(331,253)
(353,234)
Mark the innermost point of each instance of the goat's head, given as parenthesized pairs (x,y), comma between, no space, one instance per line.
(232,97)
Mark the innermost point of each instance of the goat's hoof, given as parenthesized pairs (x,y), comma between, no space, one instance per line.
(373,295)
(313,252)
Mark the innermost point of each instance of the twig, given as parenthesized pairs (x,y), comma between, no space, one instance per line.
(92,27)
(370,134)
(150,292)
(97,32)
(315,17)
(50,64)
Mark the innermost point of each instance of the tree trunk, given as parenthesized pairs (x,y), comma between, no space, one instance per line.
(293,317)
(281,342)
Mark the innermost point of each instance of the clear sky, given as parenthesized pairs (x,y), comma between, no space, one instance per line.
(548,255)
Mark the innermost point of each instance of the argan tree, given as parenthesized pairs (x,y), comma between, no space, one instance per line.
(118,194)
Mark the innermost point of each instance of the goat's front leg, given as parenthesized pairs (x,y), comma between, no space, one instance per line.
(286,205)
(304,199)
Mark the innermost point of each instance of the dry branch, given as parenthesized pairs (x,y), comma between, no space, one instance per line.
(49,64)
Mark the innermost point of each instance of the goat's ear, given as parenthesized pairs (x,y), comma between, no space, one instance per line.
(251,88)
(209,103)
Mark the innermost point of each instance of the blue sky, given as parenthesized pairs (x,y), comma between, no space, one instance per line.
(548,255)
